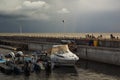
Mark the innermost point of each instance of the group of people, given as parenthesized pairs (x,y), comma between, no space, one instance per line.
(100,36)
(90,36)
(113,37)
(93,37)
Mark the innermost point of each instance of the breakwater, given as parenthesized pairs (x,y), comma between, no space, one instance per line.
(24,39)
(103,50)
(101,54)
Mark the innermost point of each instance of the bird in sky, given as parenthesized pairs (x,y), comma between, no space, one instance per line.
(63,21)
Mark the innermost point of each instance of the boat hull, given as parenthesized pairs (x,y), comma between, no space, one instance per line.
(65,62)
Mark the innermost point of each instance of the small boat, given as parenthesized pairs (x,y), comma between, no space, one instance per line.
(2,60)
(61,55)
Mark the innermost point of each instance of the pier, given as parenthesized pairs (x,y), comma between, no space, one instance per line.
(104,50)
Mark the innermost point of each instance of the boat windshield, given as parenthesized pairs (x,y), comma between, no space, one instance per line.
(62,51)
(59,50)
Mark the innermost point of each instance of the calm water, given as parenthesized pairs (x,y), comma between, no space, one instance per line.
(84,70)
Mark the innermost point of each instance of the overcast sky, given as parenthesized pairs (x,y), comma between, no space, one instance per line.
(48,15)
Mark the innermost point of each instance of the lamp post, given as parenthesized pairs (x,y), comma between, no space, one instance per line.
(20,29)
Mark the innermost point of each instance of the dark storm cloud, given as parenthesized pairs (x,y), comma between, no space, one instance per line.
(100,22)
(11,16)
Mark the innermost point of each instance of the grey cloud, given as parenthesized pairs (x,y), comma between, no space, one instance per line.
(84,16)
(11,16)
(24,7)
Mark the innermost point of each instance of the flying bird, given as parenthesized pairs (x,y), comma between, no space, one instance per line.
(63,21)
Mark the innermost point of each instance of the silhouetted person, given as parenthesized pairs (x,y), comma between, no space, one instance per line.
(117,38)
(111,36)
(37,68)
(48,68)
(27,69)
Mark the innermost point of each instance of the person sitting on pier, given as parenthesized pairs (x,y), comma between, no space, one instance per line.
(117,37)
(99,37)
(90,36)
(111,36)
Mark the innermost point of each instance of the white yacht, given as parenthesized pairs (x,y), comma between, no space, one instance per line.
(61,55)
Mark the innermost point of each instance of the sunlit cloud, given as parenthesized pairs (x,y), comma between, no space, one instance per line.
(33,5)
(63,11)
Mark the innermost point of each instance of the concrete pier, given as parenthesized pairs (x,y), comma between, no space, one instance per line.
(104,50)
(80,38)
(101,54)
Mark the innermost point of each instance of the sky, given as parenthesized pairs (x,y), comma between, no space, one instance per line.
(51,16)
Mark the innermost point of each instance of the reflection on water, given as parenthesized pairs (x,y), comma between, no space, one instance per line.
(59,73)
(98,71)
(97,67)
(65,73)
(84,70)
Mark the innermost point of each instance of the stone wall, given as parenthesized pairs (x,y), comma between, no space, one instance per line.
(101,54)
